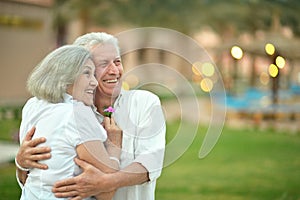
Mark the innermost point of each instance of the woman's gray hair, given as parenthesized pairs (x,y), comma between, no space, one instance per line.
(59,69)
(89,40)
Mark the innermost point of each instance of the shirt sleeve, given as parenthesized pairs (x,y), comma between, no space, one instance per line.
(18,180)
(150,141)
(85,124)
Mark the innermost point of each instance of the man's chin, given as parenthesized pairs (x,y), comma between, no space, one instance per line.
(109,91)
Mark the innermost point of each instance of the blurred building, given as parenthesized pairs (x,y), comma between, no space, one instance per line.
(26,36)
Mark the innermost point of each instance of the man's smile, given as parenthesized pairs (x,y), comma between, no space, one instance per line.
(111,80)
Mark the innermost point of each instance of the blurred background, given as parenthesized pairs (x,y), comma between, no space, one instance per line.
(254,45)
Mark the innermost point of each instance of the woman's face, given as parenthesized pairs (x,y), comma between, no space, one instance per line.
(84,86)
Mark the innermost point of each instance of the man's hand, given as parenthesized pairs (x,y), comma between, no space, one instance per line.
(29,155)
(113,144)
(89,183)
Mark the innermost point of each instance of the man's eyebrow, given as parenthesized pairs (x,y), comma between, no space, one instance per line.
(103,60)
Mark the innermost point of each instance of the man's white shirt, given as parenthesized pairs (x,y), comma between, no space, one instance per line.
(139,114)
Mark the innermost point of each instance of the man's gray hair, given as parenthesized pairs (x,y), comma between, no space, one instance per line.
(89,40)
(59,69)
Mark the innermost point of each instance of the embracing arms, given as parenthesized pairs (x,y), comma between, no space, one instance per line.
(93,181)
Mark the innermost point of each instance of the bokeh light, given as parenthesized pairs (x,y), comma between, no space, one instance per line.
(208,69)
(236,52)
(280,62)
(273,70)
(125,85)
(264,78)
(196,68)
(206,85)
(270,49)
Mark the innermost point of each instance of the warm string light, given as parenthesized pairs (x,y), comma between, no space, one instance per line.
(236,52)
(204,75)
(279,61)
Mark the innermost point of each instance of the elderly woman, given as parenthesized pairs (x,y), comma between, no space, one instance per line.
(63,86)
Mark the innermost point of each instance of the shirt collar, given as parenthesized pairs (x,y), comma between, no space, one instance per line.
(67,97)
(116,104)
(119,98)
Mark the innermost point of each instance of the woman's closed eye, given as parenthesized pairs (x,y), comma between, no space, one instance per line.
(88,72)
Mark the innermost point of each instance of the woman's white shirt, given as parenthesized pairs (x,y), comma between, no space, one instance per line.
(64,125)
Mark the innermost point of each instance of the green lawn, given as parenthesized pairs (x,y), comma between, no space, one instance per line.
(9,129)
(245,164)
(9,188)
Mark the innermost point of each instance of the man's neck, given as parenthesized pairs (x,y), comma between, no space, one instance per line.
(103,101)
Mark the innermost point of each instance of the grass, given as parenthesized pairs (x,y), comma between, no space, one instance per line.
(9,188)
(9,129)
(244,165)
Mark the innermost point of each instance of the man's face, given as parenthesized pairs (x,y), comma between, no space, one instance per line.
(109,69)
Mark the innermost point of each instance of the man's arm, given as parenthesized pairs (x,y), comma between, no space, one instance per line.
(28,155)
(92,181)
(133,174)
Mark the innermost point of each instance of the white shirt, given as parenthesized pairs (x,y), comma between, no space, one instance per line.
(65,125)
(139,114)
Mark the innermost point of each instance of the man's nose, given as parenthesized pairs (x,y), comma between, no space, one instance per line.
(112,68)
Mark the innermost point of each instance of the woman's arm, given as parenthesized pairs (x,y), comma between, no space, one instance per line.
(94,153)
(104,157)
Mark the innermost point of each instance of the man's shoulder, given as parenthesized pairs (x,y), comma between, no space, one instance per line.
(141,94)
(141,98)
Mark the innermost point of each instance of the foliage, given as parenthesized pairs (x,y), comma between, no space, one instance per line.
(188,15)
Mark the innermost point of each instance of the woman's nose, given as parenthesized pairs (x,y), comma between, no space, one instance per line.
(94,81)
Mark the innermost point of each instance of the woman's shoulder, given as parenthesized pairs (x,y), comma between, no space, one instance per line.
(79,106)
(83,112)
